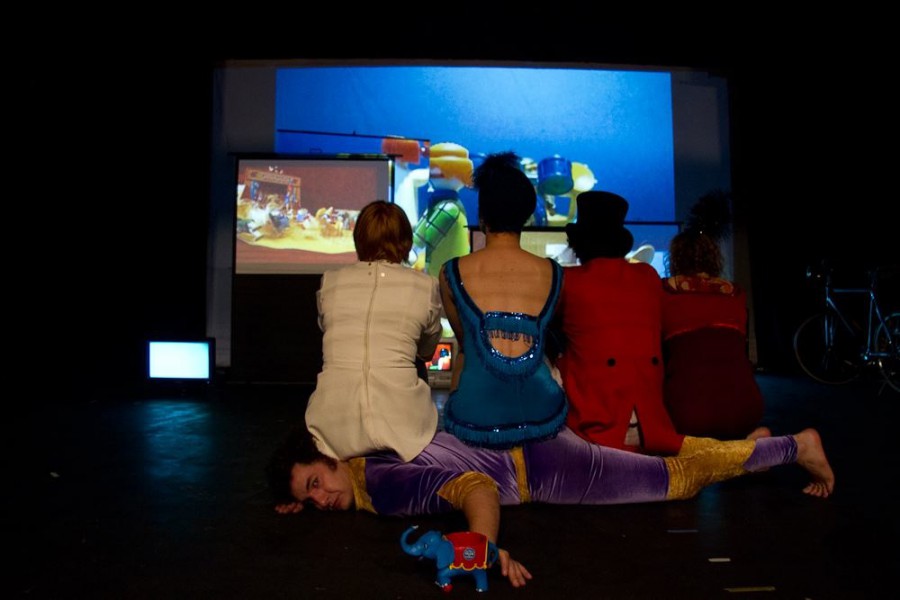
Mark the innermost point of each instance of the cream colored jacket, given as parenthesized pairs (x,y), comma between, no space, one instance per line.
(376,318)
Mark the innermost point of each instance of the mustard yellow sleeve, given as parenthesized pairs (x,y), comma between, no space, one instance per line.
(457,489)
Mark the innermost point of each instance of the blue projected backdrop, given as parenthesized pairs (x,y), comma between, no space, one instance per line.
(613,129)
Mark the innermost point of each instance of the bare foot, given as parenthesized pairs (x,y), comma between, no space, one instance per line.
(811,456)
(759,432)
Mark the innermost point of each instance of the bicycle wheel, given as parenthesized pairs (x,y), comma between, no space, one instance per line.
(890,366)
(826,350)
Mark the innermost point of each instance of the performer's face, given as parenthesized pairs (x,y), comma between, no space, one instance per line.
(322,486)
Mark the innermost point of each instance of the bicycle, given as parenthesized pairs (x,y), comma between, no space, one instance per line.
(834,349)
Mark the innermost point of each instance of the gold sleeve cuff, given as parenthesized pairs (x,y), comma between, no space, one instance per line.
(702,462)
(358,479)
(456,490)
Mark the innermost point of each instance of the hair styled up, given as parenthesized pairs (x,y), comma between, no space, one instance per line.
(382,232)
(696,249)
(693,252)
(298,447)
(506,197)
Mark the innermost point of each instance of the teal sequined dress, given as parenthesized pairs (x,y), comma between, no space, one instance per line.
(503,401)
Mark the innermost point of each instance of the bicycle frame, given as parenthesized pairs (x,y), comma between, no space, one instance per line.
(833,347)
(875,312)
(831,305)
(874,318)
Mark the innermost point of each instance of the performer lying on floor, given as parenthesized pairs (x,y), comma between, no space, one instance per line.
(448,475)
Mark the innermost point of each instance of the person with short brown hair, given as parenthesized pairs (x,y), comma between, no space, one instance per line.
(378,318)
(381,234)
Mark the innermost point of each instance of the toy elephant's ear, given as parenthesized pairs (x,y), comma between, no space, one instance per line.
(444,554)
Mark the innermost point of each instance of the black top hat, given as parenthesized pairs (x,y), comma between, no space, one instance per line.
(599,230)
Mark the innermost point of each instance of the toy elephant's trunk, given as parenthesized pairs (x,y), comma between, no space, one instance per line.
(415,550)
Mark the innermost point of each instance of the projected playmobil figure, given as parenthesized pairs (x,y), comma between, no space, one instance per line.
(459,553)
(409,176)
(443,231)
(556,178)
(263,217)
(583,180)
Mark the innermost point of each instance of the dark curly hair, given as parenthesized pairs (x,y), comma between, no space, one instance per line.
(298,447)
(506,197)
(711,215)
(692,252)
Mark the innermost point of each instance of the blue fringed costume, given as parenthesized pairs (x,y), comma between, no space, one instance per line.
(503,401)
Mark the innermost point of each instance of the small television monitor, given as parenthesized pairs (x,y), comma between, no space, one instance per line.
(176,364)
(295,214)
(440,367)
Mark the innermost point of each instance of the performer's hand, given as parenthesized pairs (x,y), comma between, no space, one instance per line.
(512,569)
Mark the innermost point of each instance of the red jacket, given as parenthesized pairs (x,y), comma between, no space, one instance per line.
(610,315)
(710,388)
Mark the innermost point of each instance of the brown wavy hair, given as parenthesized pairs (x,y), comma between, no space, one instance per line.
(692,252)
(382,232)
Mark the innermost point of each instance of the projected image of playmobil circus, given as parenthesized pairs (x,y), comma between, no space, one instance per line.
(302,211)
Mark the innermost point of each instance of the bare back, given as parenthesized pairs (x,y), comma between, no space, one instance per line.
(503,277)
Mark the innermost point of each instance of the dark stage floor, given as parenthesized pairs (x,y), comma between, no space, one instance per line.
(165,498)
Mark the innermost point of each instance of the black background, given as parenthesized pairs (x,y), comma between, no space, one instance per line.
(111,129)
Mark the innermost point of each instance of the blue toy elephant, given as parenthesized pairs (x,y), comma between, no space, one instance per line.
(460,553)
